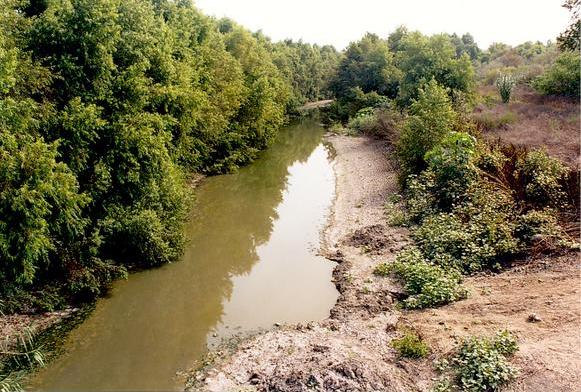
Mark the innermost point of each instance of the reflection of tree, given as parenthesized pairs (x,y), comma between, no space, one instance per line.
(157,322)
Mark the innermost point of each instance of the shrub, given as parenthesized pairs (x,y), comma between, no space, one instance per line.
(432,118)
(562,78)
(474,235)
(482,363)
(541,229)
(452,164)
(363,120)
(543,177)
(426,285)
(505,84)
(410,345)
(420,201)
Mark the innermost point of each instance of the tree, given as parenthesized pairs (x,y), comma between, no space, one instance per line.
(432,118)
(423,58)
(570,39)
(369,65)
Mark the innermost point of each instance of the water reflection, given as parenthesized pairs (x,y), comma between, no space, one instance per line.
(251,262)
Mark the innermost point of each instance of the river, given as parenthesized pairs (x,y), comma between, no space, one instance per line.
(251,261)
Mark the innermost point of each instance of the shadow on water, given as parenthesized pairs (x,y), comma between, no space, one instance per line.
(251,261)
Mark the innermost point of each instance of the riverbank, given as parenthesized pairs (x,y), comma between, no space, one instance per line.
(351,349)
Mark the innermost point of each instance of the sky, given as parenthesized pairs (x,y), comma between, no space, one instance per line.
(338,22)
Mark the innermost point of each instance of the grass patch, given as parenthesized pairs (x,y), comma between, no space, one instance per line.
(489,121)
(410,345)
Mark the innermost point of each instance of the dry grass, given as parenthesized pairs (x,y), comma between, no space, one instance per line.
(532,120)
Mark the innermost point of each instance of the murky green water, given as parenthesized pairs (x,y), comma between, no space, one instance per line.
(252,261)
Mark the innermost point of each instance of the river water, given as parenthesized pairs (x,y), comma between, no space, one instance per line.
(251,261)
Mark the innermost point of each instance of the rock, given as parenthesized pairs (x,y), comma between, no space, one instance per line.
(534,318)
(276,325)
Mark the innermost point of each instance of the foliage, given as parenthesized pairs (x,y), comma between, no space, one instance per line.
(17,354)
(543,177)
(562,78)
(426,284)
(476,234)
(368,65)
(570,39)
(505,84)
(106,108)
(421,59)
(451,161)
(410,345)
(432,117)
(482,364)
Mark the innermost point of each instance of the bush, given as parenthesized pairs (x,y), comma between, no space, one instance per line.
(432,118)
(420,201)
(364,119)
(543,177)
(426,285)
(482,363)
(541,229)
(505,84)
(474,235)
(562,78)
(452,164)
(410,346)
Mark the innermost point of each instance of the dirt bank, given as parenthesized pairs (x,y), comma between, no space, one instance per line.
(350,351)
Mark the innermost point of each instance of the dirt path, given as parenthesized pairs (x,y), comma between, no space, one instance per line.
(350,351)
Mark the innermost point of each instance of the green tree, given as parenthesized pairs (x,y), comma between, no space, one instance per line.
(423,58)
(570,39)
(367,64)
(432,118)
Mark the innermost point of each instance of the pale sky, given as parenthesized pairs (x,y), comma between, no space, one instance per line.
(339,22)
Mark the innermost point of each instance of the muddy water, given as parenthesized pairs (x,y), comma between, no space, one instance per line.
(251,261)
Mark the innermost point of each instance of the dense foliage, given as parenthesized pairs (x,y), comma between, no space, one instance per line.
(478,364)
(562,78)
(106,108)
(374,70)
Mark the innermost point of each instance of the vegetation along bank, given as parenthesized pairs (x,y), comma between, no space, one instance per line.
(457,250)
(109,109)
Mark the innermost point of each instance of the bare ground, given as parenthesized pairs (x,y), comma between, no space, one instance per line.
(350,351)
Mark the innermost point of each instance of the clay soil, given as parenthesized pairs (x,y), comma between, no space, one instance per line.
(351,351)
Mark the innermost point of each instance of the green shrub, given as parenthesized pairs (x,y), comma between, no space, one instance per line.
(505,84)
(420,201)
(410,345)
(474,235)
(363,120)
(452,164)
(432,117)
(426,285)
(543,225)
(543,177)
(482,363)
(562,78)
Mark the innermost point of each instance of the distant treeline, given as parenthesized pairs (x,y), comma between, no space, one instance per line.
(106,108)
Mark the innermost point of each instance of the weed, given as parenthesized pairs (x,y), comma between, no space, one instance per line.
(410,345)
